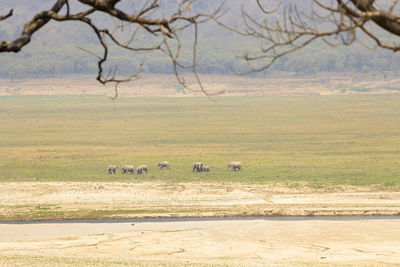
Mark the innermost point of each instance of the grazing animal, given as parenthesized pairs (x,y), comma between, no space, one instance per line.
(235,165)
(205,168)
(111,169)
(163,164)
(198,167)
(141,168)
(127,168)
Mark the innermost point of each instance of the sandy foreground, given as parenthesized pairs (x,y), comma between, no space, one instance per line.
(240,242)
(219,242)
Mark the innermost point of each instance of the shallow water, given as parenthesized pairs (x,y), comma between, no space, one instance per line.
(195,219)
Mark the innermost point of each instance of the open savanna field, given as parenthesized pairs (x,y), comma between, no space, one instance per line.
(319,140)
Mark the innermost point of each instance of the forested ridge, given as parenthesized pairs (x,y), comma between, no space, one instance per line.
(54,49)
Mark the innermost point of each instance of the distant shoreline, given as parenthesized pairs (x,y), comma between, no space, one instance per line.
(163,85)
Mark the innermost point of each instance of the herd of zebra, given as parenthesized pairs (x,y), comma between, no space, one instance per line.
(196,167)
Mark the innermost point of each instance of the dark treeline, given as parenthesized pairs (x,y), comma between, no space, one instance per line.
(54,51)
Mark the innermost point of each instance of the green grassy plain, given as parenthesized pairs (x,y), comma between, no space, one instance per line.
(320,140)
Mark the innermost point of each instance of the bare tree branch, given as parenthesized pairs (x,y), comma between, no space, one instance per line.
(30,28)
(160,28)
(268,11)
(285,30)
(10,13)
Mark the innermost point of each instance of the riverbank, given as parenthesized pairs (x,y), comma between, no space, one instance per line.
(104,200)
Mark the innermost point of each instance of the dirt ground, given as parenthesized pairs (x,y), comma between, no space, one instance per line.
(219,242)
(258,242)
(157,199)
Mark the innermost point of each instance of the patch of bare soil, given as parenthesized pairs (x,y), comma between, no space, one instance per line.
(227,85)
(157,199)
(256,242)
(204,243)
